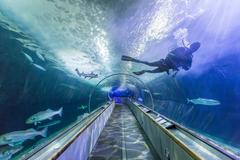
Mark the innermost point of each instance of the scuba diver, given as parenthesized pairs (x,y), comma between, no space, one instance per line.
(180,57)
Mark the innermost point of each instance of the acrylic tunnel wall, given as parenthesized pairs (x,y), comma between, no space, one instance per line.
(54,53)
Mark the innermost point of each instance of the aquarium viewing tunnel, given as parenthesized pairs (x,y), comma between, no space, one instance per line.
(119,80)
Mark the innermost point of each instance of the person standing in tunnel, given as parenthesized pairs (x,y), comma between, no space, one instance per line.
(180,57)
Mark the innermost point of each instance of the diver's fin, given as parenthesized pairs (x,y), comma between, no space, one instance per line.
(139,73)
(127,58)
(188,100)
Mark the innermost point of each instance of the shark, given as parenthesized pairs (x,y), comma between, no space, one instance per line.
(86,75)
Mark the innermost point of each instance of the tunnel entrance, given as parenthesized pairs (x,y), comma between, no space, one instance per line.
(118,85)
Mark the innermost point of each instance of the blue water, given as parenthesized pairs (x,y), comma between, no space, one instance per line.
(92,36)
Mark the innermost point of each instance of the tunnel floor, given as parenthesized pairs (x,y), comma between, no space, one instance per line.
(122,138)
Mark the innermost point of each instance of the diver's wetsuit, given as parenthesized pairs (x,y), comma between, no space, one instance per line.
(179,57)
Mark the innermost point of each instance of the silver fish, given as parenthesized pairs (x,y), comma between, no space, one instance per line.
(18,137)
(49,124)
(156,94)
(29,58)
(40,56)
(39,67)
(203,101)
(43,115)
(7,152)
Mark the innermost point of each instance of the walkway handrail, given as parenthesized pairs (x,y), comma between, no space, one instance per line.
(228,153)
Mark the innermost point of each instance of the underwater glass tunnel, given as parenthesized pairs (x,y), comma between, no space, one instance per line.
(90,76)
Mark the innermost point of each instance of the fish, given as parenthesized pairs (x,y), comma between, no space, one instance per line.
(86,75)
(156,94)
(40,56)
(140,99)
(82,107)
(18,137)
(29,58)
(7,152)
(49,124)
(43,115)
(145,90)
(39,67)
(203,101)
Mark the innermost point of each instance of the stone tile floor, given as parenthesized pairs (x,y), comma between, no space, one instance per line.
(121,138)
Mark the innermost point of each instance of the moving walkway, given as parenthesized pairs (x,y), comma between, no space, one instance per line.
(127,131)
